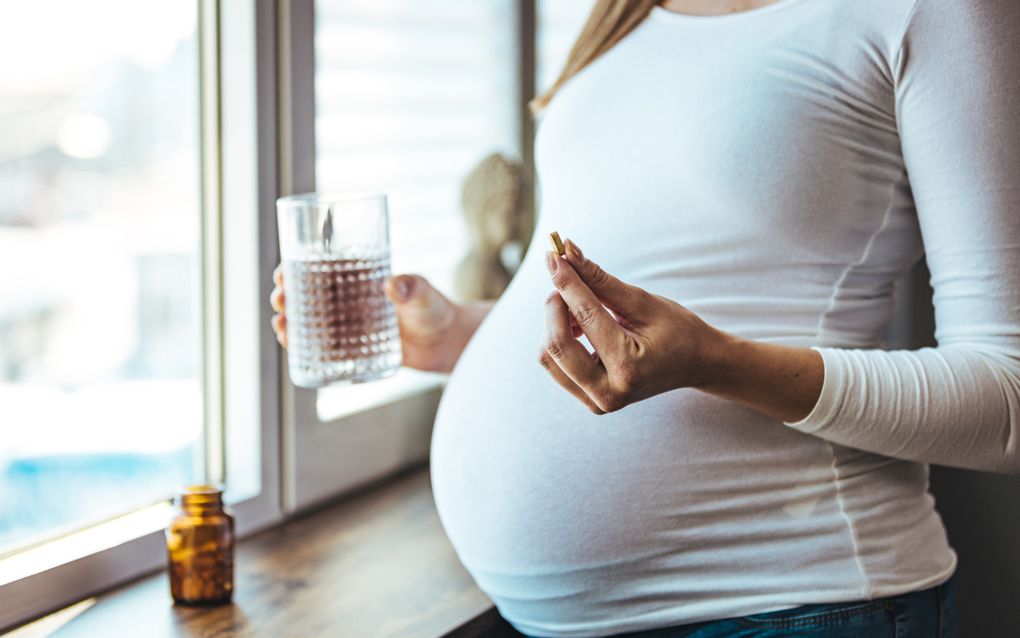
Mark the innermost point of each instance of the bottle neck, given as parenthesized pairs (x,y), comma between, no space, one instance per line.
(201,499)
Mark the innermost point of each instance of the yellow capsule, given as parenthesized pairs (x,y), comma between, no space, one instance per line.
(557,244)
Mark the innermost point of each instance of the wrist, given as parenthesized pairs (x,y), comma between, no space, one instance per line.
(463,323)
(720,357)
(468,316)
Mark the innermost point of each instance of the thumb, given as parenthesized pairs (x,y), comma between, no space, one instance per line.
(417,301)
(623,299)
(402,288)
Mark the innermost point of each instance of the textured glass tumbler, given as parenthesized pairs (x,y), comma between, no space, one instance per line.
(336,257)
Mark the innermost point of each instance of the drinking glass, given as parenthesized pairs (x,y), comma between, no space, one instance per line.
(336,257)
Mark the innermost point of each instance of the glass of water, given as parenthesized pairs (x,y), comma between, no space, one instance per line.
(336,257)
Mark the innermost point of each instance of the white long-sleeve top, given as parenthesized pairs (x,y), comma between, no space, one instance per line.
(774,171)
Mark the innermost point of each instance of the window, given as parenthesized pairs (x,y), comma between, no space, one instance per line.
(100,368)
(409,97)
(135,227)
(142,147)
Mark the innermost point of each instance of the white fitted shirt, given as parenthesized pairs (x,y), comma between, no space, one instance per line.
(774,171)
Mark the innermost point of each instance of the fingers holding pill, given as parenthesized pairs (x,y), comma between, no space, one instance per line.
(565,352)
(644,344)
(602,330)
(622,298)
(561,378)
(559,327)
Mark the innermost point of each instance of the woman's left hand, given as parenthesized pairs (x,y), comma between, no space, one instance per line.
(644,344)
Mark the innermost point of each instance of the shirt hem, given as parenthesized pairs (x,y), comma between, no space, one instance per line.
(602,630)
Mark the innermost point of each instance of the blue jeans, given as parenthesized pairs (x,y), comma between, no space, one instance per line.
(924,614)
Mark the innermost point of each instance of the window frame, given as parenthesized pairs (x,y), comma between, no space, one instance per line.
(237,74)
(257,64)
(325,457)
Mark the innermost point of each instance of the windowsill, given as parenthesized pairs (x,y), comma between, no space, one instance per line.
(90,540)
(85,542)
(377,564)
(337,401)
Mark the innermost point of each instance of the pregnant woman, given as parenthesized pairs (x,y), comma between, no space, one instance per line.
(738,457)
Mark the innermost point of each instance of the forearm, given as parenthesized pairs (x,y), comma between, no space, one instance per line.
(957,404)
(783,382)
(953,405)
(471,315)
(466,319)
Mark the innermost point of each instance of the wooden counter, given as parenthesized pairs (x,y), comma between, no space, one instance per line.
(376,565)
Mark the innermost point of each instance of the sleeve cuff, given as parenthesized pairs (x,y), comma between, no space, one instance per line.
(828,400)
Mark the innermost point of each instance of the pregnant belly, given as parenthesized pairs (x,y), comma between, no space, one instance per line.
(527,481)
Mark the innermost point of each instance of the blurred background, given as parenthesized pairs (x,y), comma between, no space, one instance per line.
(99,221)
(101,216)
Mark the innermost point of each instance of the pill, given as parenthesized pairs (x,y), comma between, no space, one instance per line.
(557,244)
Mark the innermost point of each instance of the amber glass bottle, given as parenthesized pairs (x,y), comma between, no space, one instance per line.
(200,547)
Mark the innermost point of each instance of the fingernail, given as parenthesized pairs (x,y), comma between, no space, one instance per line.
(403,287)
(573,249)
(551,261)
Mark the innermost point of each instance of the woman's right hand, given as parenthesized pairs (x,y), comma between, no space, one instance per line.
(433,329)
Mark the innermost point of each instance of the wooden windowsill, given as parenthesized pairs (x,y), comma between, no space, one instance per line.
(377,564)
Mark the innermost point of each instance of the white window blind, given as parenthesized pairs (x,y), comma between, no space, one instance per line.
(409,97)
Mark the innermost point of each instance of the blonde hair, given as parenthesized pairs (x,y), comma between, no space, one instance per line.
(610,21)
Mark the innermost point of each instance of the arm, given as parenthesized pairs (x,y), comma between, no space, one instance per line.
(783,382)
(433,330)
(651,344)
(957,404)
(957,87)
(957,81)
